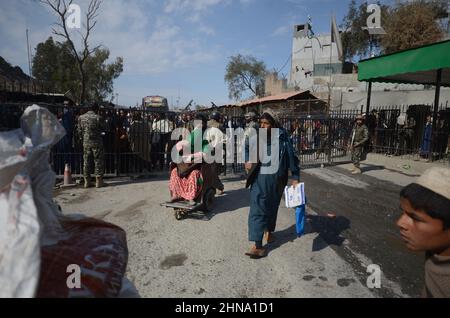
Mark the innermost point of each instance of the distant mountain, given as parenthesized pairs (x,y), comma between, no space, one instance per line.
(12,73)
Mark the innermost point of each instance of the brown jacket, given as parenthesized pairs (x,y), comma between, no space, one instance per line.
(437,277)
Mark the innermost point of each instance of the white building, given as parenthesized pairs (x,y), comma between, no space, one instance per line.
(312,56)
(316,67)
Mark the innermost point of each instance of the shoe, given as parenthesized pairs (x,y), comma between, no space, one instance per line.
(269,237)
(256,253)
(99,182)
(357,171)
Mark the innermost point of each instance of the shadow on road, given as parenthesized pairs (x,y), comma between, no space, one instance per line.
(368,168)
(329,229)
(283,237)
(231,201)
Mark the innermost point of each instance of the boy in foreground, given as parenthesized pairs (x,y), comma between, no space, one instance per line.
(425,226)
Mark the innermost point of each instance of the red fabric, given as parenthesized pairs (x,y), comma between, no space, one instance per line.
(185,188)
(98,248)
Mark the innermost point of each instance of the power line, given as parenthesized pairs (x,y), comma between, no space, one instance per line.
(289,58)
(311,37)
(290,55)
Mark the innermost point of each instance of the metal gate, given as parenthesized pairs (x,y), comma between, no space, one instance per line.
(317,139)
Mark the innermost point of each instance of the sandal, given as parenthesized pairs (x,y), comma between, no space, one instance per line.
(256,253)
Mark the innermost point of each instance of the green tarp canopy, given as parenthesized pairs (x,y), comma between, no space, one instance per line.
(413,66)
(427,65)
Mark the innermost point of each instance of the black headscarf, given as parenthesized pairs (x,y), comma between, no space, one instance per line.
(273,122)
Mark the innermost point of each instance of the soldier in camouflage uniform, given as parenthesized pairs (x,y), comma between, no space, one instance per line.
(90,126)
(360,136)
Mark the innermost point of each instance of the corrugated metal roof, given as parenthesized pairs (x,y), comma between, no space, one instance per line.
(274,98)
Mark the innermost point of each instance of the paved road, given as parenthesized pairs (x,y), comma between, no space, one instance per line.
(204,257)
(368,206)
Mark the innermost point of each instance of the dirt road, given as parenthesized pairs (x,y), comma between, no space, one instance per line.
(203,256)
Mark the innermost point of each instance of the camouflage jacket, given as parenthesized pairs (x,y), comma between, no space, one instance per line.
(90,129)
(360,135)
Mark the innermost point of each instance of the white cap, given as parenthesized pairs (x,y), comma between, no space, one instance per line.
(437,180)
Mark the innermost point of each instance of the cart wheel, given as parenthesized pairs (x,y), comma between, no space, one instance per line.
(179,215)
(208,199)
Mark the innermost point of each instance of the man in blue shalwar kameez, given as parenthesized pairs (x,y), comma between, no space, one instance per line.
(267,188)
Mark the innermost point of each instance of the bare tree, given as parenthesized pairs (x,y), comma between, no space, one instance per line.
(61,8)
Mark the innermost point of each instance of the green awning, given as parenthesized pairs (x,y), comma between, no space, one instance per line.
(413,66)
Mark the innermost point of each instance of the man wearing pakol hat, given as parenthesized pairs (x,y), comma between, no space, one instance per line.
(360,136)
(425,227)
(251,120)
(251,127)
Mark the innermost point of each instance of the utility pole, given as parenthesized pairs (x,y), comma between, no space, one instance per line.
(30,72)
(330,64)
(29,56)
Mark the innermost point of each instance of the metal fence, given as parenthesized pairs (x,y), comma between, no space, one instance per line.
(318,139)
(137,142)
(406,131)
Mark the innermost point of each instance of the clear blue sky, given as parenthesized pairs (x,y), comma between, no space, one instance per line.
(176,47)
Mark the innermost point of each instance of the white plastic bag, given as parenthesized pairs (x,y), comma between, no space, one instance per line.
(26,205)
(295,197)
(19,240)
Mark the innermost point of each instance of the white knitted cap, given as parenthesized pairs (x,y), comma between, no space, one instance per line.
(436,180)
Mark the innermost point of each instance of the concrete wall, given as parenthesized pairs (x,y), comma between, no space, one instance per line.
(355,100)
(274,85)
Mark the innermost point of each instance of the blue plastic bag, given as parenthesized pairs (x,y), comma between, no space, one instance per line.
(300,216)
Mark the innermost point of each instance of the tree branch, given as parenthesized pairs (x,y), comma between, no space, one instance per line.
(61,7)
(247,82)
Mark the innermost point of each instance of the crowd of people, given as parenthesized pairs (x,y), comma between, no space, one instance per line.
(398,133)
(135,140)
